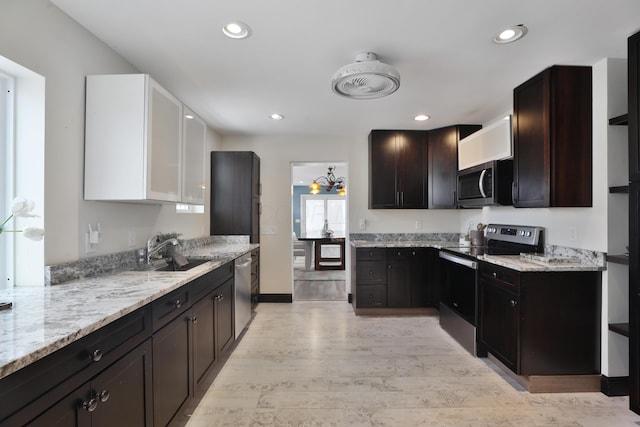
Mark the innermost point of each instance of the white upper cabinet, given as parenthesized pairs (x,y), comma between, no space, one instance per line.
(133,140)
(194,155)
(492,142)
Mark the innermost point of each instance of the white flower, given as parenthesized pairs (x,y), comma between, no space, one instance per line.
(22,207)
(33,233)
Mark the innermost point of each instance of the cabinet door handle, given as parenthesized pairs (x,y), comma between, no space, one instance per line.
(399,253)
(371,272)
(513,303)
(495,275)
(91,404)
(413,253)
(96,355)
(104,395)
(178,303)
(371,296)
(514,191)
(194,319)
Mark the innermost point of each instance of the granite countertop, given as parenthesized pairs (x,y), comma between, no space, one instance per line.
(404,244)
(542,263)
(45,319)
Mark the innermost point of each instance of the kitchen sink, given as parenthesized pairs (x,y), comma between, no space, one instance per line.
(173,266)
(170,265)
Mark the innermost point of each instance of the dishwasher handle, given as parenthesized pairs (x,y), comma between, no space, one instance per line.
(243,265)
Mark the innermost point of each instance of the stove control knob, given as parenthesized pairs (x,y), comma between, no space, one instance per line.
(528,234)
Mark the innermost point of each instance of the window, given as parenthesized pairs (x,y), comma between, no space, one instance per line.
(317,208)
(6,176)
(22,110)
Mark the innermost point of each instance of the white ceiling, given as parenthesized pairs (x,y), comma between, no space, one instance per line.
(449,67)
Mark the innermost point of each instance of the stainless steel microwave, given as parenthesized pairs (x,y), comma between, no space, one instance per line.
(485,184)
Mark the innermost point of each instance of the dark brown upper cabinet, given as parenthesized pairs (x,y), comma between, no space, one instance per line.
(443,164)
(398,169)
(552,137)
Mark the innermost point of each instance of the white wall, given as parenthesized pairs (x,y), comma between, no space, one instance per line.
(37,35)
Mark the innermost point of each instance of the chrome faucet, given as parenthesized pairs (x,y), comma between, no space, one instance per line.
(153,249)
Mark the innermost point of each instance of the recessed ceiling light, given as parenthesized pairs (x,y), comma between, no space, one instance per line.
(510,34)
(421,117)
(276,116)
(236,30)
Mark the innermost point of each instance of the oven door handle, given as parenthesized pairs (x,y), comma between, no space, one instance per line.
(481,183)
(457,260)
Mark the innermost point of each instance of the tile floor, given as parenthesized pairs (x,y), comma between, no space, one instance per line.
(316,364)
(314,285)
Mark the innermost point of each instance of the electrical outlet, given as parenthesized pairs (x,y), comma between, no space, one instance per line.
(418,225)
(132,239)
(88,247)
(363,224)
(269,229)
(573,233)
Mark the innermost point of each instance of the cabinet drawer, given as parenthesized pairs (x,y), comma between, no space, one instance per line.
(74,363)
(169,306)
(371,272)
(397,254)
(500,276)
(371,254)
(208,282)
(371,296)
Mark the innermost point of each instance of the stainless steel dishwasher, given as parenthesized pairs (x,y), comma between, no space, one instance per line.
(242,284)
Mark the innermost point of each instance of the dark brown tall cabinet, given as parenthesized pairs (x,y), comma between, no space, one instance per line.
(443,164)
(235,194)
(634,221)
(552,139)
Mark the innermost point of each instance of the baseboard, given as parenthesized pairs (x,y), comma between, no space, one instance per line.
(614,386)
(384,311)
(276,298)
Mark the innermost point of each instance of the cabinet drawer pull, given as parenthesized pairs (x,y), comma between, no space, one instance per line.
(371,272)
(90,405)
(96,355)
(371,253)
(495,275)
(104,395)
(399,253)
(371,296)
(513,303)
(178,303)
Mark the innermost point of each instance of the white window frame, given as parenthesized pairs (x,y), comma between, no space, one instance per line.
(324,197)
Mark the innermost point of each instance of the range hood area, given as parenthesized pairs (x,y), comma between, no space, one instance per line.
(492,142)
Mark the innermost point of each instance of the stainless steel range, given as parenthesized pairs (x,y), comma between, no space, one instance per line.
(459,279)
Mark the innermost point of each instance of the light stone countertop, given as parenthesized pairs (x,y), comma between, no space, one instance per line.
(45,319)
(528,264)
(404,244)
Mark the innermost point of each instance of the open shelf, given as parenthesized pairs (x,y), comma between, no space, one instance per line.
(620,328)
(619,189)
(618,259)
(622,120)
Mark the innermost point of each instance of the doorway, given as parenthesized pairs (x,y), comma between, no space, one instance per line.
(311,213)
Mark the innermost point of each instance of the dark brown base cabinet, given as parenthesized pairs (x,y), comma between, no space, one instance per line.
(542,323)
(138,371)
(392,278)
(552,139)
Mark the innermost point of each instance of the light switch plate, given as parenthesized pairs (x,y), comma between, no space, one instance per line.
(269,229)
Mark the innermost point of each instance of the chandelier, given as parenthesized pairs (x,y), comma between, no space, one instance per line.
(328,182)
